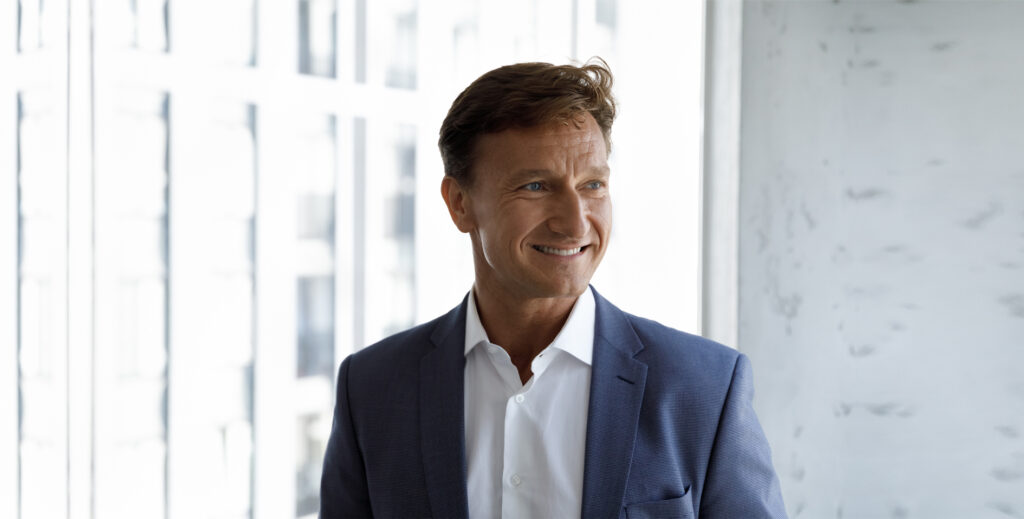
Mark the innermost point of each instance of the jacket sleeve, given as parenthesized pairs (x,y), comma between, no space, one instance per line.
(343,489)
(741,481)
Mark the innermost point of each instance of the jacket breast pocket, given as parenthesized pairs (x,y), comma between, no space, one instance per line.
(676,508)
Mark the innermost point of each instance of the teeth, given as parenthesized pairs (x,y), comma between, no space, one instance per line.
(558,252)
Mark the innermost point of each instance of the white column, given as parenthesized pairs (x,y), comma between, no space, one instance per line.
(721,171)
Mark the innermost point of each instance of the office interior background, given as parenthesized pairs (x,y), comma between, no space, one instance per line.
(204,206)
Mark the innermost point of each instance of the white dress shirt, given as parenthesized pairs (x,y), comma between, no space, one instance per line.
(525,443)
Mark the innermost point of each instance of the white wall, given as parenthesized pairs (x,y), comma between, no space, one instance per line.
(881,278)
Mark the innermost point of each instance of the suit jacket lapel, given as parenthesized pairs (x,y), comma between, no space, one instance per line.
(442,417)
(616,394)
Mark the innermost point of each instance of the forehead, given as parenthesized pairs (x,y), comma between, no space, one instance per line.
(552,146)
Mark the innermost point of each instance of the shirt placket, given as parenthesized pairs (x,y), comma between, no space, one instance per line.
(519,478)
(515,480)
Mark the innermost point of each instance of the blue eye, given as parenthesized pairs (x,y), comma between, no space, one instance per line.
(597,184)
(532,186)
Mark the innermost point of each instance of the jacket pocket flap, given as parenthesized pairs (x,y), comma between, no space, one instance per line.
(676,508)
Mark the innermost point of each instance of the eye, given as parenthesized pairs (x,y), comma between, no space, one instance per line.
(597,184)
(533,186)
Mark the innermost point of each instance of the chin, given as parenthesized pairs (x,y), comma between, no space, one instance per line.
(574,290)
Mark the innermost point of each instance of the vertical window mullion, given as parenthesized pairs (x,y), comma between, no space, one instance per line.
(274,429)
(133,280)
(80,262)
(9,267)
(42,260)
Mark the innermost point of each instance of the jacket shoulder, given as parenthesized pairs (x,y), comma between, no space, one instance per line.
(400,344)
(396,358)
(675,347)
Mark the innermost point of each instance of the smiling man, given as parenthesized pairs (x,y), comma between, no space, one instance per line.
(536,397)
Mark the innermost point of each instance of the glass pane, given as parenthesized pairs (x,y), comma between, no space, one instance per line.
(313,431)
(216,443)
(466,48)
(318,22)
(40,24)
(401,43)
(390,233)
(605,30)
(606,13)
(134,24)
(315,194)
(131,306)
(29,25)
(221,32)
(42,355)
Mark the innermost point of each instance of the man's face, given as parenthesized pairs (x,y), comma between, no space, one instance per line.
(539,212)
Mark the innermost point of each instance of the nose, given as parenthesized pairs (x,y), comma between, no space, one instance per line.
(569,215)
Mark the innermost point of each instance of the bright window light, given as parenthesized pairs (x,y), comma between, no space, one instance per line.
(252,195)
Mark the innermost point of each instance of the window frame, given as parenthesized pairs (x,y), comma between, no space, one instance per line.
(270,85)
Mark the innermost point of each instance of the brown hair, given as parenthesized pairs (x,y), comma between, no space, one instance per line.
(524,95)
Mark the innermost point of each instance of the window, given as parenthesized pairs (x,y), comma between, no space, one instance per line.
(41,284)
(130,304)
(241,193)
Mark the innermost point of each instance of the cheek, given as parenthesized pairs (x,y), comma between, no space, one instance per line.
(505,237)
(602,214)
(519,220)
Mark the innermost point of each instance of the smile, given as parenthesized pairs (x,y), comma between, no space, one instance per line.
(559,252)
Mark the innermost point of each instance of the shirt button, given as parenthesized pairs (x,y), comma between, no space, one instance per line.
(519,400)
(516,480)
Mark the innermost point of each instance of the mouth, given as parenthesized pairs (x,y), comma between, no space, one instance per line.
(554,251)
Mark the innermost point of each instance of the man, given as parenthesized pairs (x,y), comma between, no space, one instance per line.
(536,397)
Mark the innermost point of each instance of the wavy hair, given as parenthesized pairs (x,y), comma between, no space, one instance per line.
(524,95)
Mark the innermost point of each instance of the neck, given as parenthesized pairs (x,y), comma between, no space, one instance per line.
(522,327)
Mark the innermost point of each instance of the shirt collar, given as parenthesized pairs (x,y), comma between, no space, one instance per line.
(576,336)
(475,333)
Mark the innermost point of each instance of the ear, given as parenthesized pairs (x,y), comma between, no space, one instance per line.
(456,197)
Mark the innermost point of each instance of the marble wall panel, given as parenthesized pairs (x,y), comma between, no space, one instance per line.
(882,253)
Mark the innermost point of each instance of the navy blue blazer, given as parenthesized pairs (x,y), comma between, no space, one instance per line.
(670,432)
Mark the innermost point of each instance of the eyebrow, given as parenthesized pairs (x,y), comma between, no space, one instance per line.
(522,174)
